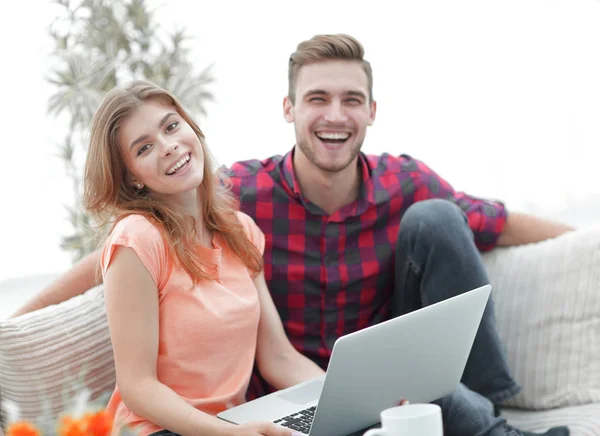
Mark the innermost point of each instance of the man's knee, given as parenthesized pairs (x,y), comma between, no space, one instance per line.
(435,213)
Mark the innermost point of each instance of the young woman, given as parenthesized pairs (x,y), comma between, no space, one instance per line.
(188,308)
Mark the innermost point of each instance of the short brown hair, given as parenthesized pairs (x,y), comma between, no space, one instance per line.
(327,47)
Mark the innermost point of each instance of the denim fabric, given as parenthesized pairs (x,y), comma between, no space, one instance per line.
(436,259)
(467,413)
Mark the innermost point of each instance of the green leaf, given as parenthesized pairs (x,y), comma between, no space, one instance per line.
(95,44)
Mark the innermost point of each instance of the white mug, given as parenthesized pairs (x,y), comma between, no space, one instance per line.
(410,420)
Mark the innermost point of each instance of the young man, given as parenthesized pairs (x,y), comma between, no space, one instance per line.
(352,240)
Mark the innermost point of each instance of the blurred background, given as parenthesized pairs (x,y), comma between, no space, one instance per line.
(501,98)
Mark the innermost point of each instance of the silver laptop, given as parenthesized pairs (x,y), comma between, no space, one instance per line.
(419,356)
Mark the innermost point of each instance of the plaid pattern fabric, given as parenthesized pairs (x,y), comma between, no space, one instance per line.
(331,275)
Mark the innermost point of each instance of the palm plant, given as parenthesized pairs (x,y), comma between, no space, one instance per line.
(99,44)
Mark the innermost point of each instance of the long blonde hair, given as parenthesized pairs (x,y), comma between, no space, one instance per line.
(109,197)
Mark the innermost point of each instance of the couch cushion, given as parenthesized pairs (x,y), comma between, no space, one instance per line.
(547,300)
(581,420)
(47,355)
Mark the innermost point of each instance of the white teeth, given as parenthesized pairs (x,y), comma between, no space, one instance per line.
(333,135)
(178,165)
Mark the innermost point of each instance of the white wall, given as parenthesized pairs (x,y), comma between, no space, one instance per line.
(502,98)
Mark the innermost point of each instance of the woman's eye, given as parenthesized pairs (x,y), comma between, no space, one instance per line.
(172,125)
(143,148)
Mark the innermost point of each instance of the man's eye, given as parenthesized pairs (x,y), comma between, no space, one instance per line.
(317,99)
(354,101)
(143,148)
(172,125)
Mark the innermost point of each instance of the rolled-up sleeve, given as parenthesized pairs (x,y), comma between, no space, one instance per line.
(486,217)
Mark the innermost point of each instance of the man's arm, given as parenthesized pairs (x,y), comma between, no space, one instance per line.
(82,276)
(521,228)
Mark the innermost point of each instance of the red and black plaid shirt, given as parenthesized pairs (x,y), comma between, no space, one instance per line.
(331,275)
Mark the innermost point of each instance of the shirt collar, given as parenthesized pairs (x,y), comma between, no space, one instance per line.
(367,187)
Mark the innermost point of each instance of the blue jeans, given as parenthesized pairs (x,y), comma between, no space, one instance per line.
(436,259)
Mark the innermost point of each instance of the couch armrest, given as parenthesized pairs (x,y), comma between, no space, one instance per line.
(547,302)
(54,351)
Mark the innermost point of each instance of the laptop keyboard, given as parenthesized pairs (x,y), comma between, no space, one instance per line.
(299,421)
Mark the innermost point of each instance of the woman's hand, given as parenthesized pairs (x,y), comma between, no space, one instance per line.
(263,429)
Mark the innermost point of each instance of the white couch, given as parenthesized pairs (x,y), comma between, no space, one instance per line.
(547,299)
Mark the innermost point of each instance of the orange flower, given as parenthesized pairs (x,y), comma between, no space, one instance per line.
(71,427)
(98,424)
(22,428)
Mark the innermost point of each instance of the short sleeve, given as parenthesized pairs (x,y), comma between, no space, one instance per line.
(256,236)
(139,234)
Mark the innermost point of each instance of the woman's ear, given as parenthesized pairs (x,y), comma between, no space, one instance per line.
(132,181)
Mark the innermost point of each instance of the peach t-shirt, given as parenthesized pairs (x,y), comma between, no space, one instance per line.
(207,333)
